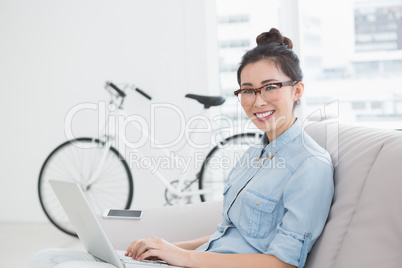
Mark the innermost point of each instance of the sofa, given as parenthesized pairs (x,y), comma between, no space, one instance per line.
(364,227)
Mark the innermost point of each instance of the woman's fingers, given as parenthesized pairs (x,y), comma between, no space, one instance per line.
(157,248)
(131,248)
(143,247)
(148,254)
(138,247)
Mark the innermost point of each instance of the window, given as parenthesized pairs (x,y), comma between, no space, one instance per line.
(350,51)
(361,60)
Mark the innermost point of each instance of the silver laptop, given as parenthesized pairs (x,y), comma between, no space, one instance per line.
(89,229)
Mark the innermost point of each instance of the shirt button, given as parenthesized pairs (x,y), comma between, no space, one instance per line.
(257,203)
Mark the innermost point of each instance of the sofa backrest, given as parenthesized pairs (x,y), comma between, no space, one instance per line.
(364,227)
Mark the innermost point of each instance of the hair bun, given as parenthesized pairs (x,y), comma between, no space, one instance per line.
(273,36)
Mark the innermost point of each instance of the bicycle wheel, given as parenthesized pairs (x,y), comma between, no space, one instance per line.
(220,161)
(76,161)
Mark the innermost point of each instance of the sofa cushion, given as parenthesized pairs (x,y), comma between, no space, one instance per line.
(364,227)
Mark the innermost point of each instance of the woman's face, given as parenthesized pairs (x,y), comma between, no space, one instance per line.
(272,116)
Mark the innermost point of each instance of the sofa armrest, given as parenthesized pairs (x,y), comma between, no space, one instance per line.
(174,224)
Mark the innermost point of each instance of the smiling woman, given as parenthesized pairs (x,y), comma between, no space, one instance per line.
(270,80)
(272,213)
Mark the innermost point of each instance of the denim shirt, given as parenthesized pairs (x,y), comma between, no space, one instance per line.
(276,204)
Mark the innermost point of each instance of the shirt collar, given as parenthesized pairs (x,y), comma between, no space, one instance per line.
(286,137)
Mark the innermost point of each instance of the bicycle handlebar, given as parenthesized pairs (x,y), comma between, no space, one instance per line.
(143,93)
(118,90)
(122,94)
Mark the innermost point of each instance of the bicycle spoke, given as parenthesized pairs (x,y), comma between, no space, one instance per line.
(71,157)
(60,164)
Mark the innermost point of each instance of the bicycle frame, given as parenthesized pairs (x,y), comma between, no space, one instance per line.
(179,189)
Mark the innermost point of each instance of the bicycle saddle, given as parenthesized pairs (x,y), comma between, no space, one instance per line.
(208,101)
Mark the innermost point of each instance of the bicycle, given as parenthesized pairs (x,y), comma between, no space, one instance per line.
(103,172)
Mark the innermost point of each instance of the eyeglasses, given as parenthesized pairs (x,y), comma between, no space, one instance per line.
(269,92)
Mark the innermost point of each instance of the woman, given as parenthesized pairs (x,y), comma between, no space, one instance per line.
(278,196)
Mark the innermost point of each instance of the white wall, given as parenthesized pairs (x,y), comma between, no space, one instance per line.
(56,54)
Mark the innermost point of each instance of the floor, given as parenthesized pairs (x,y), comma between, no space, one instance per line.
(20,241)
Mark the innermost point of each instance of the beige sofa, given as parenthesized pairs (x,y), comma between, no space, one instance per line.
(364,228)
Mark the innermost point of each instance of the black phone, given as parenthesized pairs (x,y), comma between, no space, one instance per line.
(122,214)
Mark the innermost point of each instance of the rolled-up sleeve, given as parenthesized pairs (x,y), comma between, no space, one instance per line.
(307,199)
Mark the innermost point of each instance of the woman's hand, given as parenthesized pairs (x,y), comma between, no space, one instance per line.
(154,247)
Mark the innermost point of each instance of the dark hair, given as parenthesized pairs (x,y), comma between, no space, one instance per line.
(277,48)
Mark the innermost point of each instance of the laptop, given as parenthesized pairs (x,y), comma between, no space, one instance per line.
(90,231)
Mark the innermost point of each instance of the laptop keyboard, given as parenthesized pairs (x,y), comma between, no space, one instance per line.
(153,262)
(127,259)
